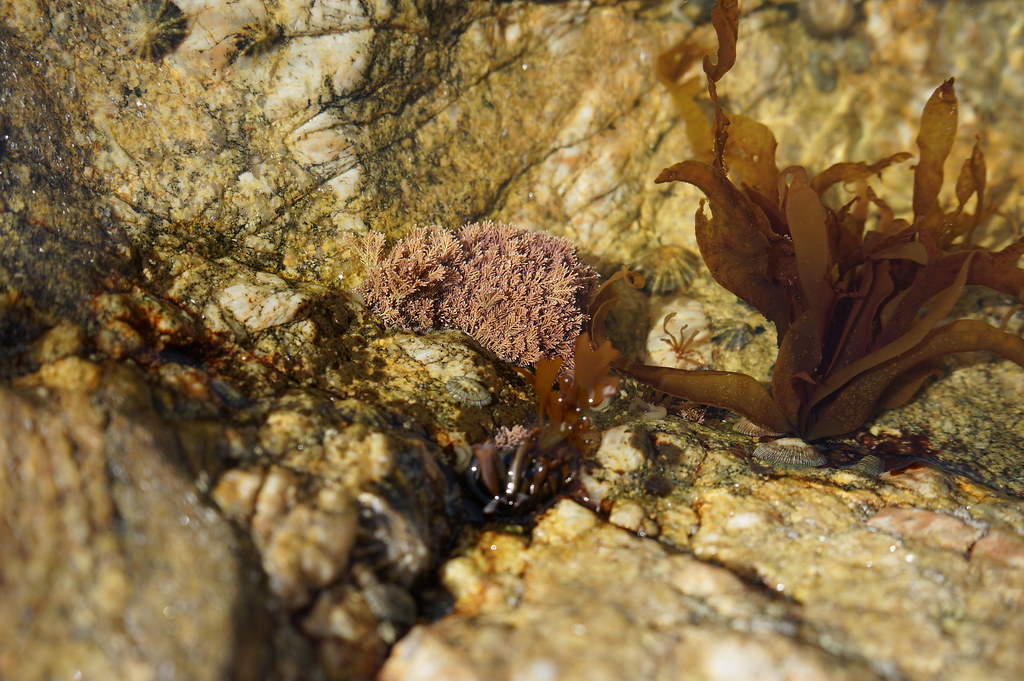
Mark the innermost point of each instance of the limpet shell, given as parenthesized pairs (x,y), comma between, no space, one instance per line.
(667,268)
(827,18)
(468,391)
(156,30)
(790,451)
(824,71)
(734,335)
(747,427)
(870,465)
(255,39)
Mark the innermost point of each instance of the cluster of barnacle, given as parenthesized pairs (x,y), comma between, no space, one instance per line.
(856,294)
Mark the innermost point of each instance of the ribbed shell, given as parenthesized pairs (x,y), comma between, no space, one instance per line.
(870,465)
(468,391)
(747,427)
(790,451)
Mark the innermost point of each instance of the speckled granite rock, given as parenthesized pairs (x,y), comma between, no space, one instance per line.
(755,571)
(172,286)
(273,127)
(589,601)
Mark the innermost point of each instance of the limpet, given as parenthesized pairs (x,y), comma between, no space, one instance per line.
(827,18)
(735,335)
(824,71)
(158,27)
(667,268)
(747,427)
(468,391)
(870,465)
(790,451)
(255,39)
(856,54)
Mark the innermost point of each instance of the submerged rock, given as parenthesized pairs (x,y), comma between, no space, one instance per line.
(590,601)
(823,574)
(217,464)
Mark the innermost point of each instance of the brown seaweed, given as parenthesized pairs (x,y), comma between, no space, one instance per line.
(529,467)
(857,295)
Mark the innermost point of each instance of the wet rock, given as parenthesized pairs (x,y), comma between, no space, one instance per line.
(811,573)
(944,531)
(596,602)
(257,480)
(1000,548)
(622,450)
(111,551)
(344,518)
(263,305)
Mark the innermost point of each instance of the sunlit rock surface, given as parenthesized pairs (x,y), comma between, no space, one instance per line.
(217,464)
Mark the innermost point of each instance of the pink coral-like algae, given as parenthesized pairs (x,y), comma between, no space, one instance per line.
(520,294)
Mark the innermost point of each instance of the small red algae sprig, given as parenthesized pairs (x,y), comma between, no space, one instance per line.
(681,345)
(857,295)
(522,295)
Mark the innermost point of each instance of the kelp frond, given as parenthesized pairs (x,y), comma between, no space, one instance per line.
(857,295)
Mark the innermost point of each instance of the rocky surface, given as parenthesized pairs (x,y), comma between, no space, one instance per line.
(113,565)
(753,572)
(217,464)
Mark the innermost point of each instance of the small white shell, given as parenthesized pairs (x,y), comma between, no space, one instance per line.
(790,451)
